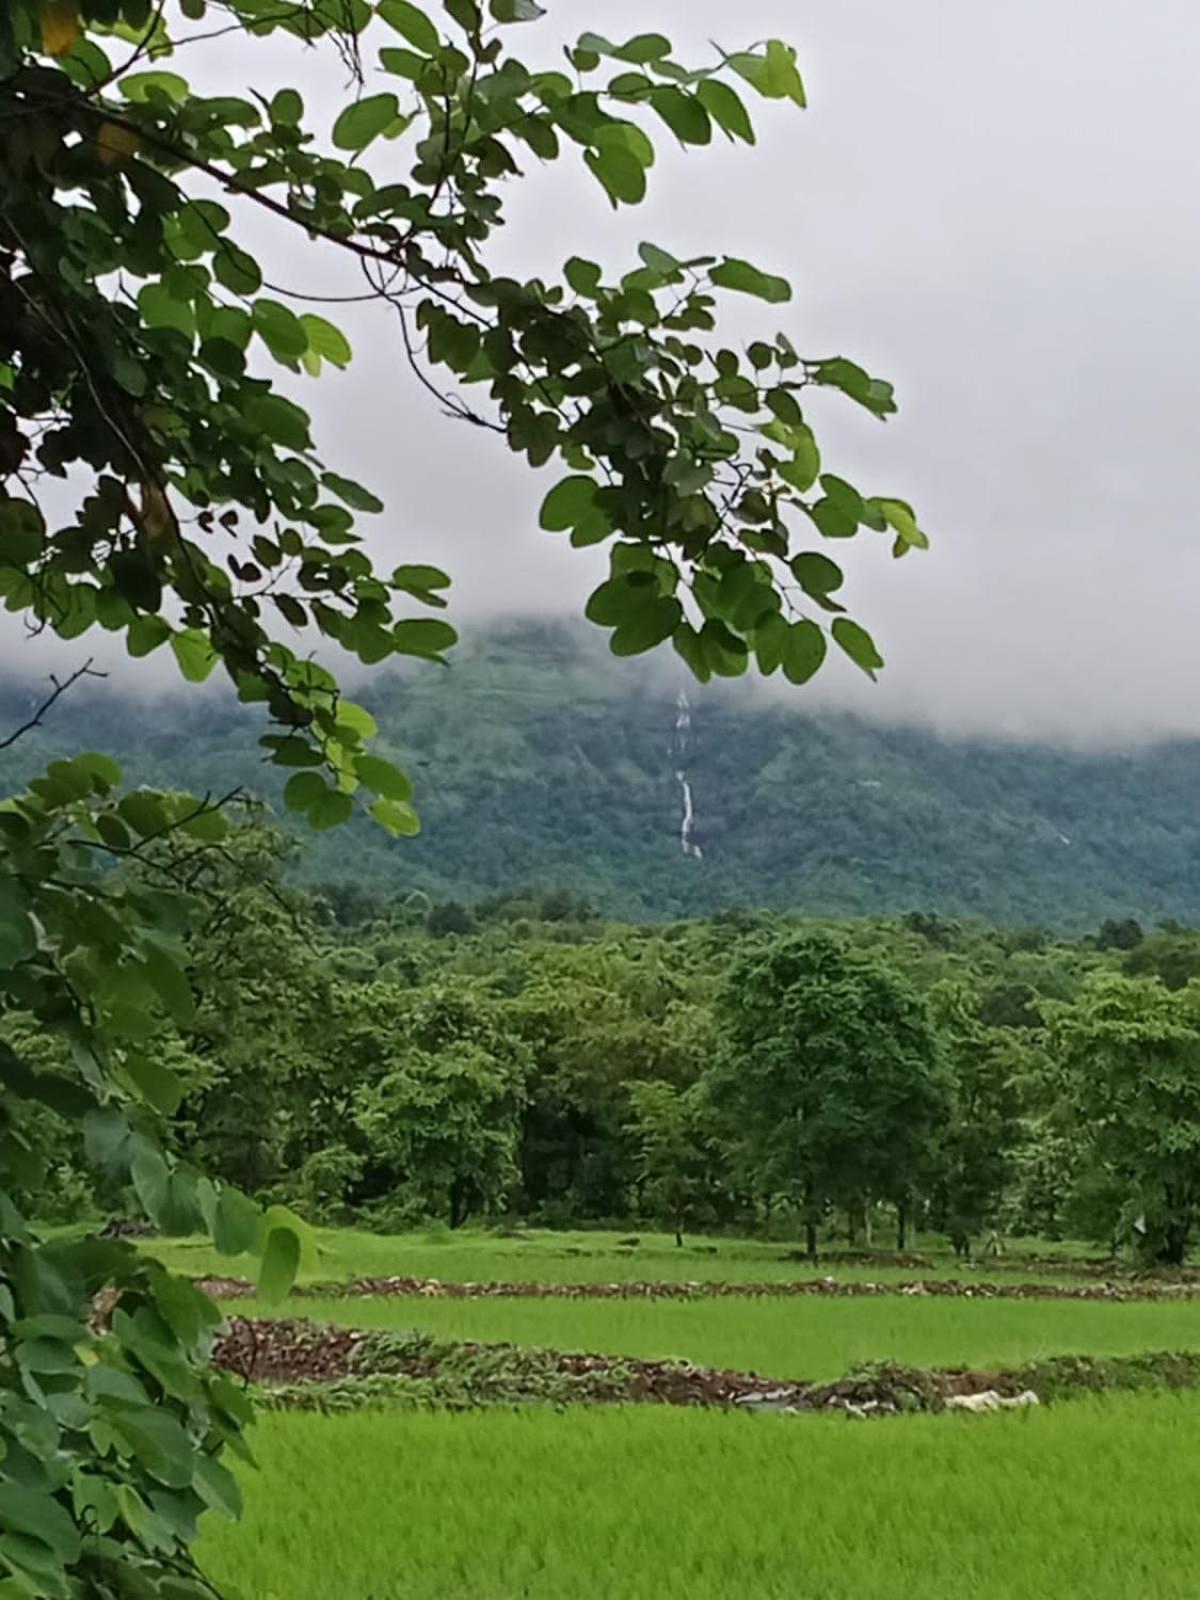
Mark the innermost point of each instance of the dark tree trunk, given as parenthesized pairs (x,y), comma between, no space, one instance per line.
(810,1239)
(902,1226)
(460,1205)
(1172,1251)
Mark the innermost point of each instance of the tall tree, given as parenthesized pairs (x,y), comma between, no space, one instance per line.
(682,1157)
(829,1071)
(1131,1049)
(974,1155)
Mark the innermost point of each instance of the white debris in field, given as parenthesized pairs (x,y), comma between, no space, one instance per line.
(990,1400)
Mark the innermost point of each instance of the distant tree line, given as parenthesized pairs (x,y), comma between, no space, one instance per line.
(391,1063)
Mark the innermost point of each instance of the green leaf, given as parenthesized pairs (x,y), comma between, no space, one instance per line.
(770,642)
(106,1138)
(292,752)
(647,627)
(400,820)
(281,421)
(330,809)
(412,24)
(833,519)
(620,173)
(156,1083)
(423,636)
(844,495)
(145,87)
(280,1263)
(858,645)
(817,574)
(365,120)
(137,579)
(303,790)
(658,260)
(684,114)
(356,720)
(351,493)
(144,811)
(801,471)
(724,105)
(22,532)
(217,1486)
(170,983)
(103,768)
(747,279)
(803,651)
(583,276)
(151,1179)
(146,634)
(386,779)
(900,517)
(287,108)
(36,1513)
(416,578)
(326,340)
(160,309)
(773,72)
(403,63)
(569,503)
(516,10)
(211,825)
(726,654)
(618,168)
(689,646)
(194,652)
(642,48)
(18,934)
(783,75)
(236,1223)
(236,269)
(280,330)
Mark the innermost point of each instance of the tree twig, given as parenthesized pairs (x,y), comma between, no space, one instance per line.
(35,721)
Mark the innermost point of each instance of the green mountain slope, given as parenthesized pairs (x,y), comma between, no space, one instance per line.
(539,760)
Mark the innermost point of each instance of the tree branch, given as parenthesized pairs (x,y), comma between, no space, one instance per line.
(35,721)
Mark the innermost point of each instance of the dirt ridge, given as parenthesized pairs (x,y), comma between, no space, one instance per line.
(329,1367)
(950,1288)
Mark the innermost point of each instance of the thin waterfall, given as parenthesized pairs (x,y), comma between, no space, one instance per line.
(679,752)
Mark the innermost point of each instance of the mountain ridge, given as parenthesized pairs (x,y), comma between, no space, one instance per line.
(538,759)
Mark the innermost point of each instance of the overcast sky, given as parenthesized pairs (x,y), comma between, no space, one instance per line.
(995,206)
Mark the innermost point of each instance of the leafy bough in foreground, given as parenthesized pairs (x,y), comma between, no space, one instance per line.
(191,513)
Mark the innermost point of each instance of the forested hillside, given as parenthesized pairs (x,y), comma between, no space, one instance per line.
(539,759)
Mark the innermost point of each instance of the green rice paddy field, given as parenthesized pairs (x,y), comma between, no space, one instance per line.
(542,1256)
(800,1337)
(1097,1499)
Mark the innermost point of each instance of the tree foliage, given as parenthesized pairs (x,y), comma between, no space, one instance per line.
(683,1155)
(973,1158)
(1132,1052)
(830,1074)
(159,480)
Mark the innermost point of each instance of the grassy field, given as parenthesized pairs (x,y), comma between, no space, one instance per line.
(793,1338)
(473,1256)
(1094,1500)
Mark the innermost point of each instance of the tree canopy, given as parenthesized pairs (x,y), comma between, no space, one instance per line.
(831,1070)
